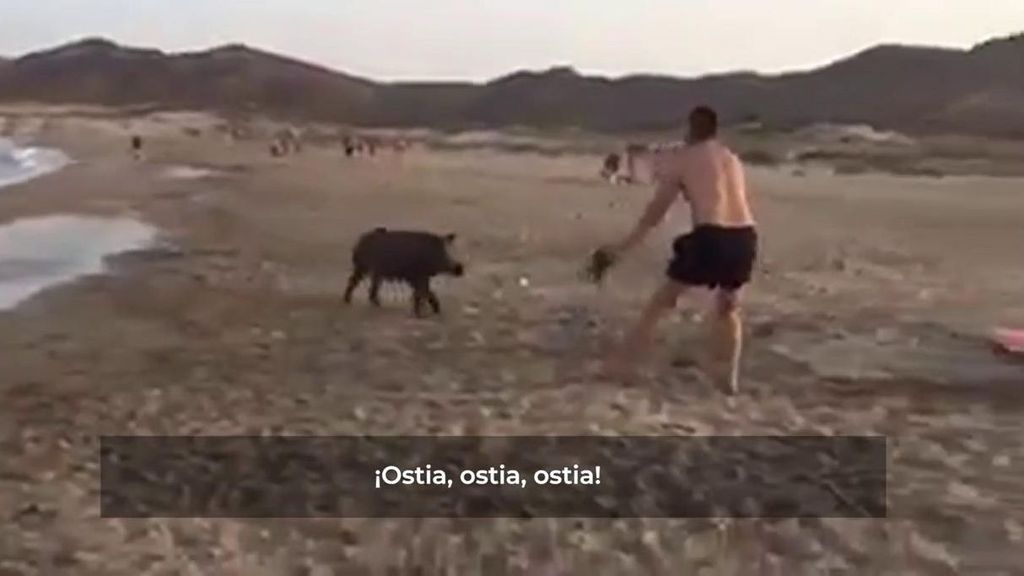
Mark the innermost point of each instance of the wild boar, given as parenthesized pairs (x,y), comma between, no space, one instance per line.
(412,257)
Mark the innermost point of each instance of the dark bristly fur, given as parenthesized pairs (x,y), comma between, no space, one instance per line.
(411,257)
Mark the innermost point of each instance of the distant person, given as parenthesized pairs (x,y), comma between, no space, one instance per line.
(718,253)
(137,147)
(634,152)
(611,166)
(399,147)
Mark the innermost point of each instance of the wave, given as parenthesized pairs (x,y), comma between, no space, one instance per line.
(20,164)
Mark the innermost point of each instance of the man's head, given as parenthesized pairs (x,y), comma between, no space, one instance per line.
(703,124)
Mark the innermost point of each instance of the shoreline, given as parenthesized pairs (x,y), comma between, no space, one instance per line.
(20,164)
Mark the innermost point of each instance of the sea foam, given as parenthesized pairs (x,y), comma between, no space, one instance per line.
(20,164)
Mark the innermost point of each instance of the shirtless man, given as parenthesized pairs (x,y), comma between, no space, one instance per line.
(718,254)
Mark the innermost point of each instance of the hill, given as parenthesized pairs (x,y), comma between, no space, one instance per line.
(230,78)
(916,89)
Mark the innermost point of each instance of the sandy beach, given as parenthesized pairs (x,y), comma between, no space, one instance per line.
(870,314)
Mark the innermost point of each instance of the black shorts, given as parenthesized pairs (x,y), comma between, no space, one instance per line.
(714,257)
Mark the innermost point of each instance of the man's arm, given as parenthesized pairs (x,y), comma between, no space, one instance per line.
(664,196)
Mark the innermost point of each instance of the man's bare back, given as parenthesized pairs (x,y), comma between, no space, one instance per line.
(710,177)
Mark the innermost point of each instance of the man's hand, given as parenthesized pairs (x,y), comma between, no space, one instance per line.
(607,256)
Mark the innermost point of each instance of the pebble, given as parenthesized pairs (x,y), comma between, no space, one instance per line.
(929,551)
(32,510)
(963,493)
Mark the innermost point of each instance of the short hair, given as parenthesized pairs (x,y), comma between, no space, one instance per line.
(704,120)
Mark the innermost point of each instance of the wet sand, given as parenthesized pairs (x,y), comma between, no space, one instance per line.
(869,315)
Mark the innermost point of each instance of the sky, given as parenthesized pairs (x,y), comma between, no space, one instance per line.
(482,39)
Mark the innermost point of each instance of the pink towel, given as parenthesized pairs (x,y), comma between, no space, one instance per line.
(1011,340)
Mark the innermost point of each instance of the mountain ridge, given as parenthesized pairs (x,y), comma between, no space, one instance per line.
(893,86)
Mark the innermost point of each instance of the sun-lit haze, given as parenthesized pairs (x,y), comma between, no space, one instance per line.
(469,39)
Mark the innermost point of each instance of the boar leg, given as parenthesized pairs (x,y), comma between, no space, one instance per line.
(420,293)
(432,299)
(353,281)
(375,290)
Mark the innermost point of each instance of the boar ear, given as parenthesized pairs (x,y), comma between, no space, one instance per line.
(449,238)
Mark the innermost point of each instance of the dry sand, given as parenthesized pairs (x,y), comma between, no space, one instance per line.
(869,315)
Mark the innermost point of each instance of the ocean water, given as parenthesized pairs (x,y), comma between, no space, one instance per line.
(20,164)
(38,253)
